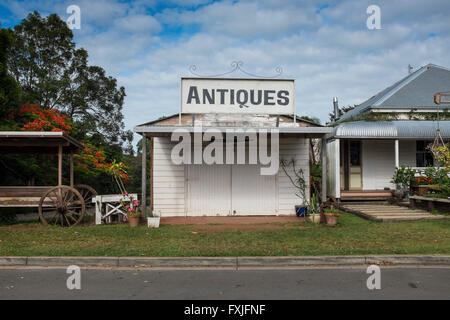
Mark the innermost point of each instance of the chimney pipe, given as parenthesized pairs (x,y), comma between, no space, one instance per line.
(336,108)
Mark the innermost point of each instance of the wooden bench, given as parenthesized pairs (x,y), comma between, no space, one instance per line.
(24,196)
(430,201)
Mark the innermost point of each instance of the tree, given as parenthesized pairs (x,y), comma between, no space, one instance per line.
(9,89)
(55,74)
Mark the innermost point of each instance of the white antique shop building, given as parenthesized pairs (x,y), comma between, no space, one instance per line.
(200,189)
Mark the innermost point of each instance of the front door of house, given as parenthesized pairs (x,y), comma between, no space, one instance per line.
(351,166)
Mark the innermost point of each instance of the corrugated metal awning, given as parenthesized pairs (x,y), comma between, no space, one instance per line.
(391,130)
(313,132)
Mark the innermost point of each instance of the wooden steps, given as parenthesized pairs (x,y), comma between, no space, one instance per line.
(365,195)
(388,213)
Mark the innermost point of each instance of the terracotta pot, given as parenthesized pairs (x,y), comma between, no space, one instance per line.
(422,190)
(332,218)
(133,221)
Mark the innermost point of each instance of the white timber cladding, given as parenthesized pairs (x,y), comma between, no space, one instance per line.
(197,190)
(168,181)
(378,161)
(333,168)
(297,149)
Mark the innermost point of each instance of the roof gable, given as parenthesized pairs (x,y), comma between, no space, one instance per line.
(414,91)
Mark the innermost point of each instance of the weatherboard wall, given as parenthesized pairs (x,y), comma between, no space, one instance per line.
(197,190)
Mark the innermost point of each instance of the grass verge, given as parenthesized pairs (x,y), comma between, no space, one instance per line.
(352,236)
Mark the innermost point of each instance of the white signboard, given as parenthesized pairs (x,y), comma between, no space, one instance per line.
(259,96)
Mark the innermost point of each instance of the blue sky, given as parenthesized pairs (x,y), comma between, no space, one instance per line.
(324,45)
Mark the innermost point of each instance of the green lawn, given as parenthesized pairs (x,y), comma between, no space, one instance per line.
(352,236)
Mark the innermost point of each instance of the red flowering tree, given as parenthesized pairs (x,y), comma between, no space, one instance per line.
(40,119)
(90,162)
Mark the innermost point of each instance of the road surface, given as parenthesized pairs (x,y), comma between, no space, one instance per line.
(318,283)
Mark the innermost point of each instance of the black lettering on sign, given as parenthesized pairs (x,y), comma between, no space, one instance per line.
(242,98)
(211,97)
(193,94)
(268,98)
(252,97)
(222,95)
(283,98)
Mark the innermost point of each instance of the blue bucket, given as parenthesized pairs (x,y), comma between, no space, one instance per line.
(301,211)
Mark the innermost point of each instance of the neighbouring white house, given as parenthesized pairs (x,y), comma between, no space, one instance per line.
(199,188)
(391,129)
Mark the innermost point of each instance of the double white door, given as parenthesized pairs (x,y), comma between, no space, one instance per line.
(229,190)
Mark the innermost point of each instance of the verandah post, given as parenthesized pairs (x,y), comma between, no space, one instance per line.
(60,165)
(144,175)
(324,170)
(397,157)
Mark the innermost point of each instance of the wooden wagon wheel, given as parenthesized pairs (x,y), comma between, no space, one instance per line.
(87,192)
(63,206)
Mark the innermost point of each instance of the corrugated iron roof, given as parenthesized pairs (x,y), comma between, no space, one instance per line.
(391,129)
(415,91)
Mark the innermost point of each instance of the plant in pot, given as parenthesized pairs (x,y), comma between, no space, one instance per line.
(297,179)
(314,208)
(152,220)
(403,178)
(331,217)
(131,206)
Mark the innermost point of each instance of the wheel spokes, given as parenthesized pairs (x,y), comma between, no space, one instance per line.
(62,206)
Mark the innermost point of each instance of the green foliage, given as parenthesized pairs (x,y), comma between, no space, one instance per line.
(55,74)
(311,119)
(40,64)
(9,89)
(442,154)
(414,115)
(404,177)
(437,175)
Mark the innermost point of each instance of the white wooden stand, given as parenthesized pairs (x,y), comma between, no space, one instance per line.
(112,205)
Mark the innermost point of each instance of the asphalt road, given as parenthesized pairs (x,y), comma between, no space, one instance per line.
(341,283)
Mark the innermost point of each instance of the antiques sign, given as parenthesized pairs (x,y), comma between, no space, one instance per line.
(259,96)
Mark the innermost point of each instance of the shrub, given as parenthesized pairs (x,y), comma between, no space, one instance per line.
(404,177)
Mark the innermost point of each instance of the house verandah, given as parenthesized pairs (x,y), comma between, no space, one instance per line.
(362,155)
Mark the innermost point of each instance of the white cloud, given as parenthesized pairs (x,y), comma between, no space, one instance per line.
(243,19)
(138,23)
(329,51)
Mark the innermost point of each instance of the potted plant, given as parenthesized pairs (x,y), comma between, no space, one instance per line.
(152,220)
(131,206)
(314,208)
(117,170)
(403,178)
(331,217)
(299,182)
